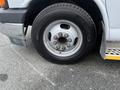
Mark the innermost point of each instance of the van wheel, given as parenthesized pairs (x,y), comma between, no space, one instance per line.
(63,33)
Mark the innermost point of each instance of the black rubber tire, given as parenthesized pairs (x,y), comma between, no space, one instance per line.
(69,12)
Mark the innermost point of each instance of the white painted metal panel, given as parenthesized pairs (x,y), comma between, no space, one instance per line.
(115,34)
(113,7)
(18,3)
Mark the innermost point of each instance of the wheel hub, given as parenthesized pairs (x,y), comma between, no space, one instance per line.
(65,38)
(62,41)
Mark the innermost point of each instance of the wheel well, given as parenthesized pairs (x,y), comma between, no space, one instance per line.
(37,5)
(89,5)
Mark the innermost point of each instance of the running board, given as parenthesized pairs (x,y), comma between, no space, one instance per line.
(112,51)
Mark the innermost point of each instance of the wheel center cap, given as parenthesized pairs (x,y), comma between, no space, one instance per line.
(62,40)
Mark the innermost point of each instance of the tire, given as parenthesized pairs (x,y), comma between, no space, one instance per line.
(74,15)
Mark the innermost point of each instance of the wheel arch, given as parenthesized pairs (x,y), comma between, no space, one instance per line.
(98,6)
(102,7)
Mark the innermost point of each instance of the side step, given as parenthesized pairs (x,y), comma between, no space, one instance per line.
(112,51)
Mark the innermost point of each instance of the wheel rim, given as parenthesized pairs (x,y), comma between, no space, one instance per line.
(62,38)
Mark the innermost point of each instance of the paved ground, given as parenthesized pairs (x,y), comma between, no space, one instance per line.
(23,69)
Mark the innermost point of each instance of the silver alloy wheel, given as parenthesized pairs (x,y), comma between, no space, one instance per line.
(62,38)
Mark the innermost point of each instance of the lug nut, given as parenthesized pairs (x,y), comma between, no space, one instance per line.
(55,42)
(60,34)
(66,35)
(68,45)
(57,47)
(69,40)
(63,48)
(55,37)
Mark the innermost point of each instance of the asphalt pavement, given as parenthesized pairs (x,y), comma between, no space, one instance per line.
(22,68)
